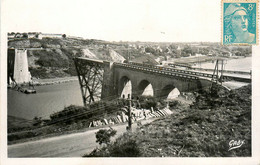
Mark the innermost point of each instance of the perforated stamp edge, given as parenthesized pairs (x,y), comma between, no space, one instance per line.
(257,21)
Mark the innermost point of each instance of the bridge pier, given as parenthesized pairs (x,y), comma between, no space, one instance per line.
(17,69)
(108,86)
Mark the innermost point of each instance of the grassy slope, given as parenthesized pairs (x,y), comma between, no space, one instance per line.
(204,129)
(17,123)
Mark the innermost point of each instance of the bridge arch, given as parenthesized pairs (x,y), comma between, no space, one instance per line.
(125,87)
(169,92)
(145,88)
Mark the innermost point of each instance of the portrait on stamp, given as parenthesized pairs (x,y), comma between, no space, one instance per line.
(239,23)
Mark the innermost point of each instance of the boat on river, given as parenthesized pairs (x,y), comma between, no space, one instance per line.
(27,90)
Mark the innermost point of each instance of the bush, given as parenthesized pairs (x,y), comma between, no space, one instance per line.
(148,101)
(126,149)
(124,146)
(173,103)
(39,72)
(103,135)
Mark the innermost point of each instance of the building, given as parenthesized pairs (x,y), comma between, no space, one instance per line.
(11,35)
(179,51)
(32,35)
(39,36)
(49,35)
(25,35)
(18,35)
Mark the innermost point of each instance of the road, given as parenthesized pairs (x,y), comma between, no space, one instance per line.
(72,145)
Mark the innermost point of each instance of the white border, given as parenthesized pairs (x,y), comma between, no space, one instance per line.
(254,160)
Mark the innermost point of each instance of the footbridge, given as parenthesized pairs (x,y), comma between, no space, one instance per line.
(109,80)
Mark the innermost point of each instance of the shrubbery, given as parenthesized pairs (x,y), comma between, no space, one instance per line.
(39,72)
(103,136)
(100,109)
(147,102)
(124,146)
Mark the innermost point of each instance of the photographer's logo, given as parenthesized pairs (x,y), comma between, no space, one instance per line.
(233,144)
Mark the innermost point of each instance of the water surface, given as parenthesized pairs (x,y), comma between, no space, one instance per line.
(48,99)
(241,64)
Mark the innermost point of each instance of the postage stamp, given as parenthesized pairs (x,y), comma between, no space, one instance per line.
(239,22)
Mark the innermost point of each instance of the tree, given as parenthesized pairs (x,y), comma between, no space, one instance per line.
(186,51)
(37,121)
(149,50)
(24,35)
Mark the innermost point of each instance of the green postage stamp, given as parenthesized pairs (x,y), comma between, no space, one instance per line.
(239,22)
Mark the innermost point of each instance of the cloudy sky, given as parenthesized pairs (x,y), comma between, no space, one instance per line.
(115,20)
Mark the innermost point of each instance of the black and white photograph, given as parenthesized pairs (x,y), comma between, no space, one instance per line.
(129,79)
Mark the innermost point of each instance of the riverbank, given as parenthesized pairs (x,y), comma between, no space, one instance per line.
(50,131)
(74,118)
(195,59)
(51,81)
(203,59)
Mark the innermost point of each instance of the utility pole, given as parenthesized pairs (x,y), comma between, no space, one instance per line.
(222,68)
(129,54)
(129,116)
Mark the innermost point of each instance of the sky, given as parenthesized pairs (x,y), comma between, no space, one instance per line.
(118,20)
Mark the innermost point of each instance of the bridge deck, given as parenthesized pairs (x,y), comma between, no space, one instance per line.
(190,74)
(91,60)
(202,74)
(181,71)
(241,75)
(158,71)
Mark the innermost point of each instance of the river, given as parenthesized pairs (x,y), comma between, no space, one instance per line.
(240,64)
(47,100)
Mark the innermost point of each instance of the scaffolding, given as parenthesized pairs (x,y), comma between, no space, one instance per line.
(217,77)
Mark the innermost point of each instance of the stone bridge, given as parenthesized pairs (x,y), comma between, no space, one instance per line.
(130,80)
(133,80)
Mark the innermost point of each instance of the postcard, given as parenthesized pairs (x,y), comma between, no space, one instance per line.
(133,81)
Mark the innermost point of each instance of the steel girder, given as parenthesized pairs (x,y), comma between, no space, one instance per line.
(216,78)
(90,75)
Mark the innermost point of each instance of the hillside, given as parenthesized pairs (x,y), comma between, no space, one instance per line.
(205,129)
(53,57)
(16,123)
